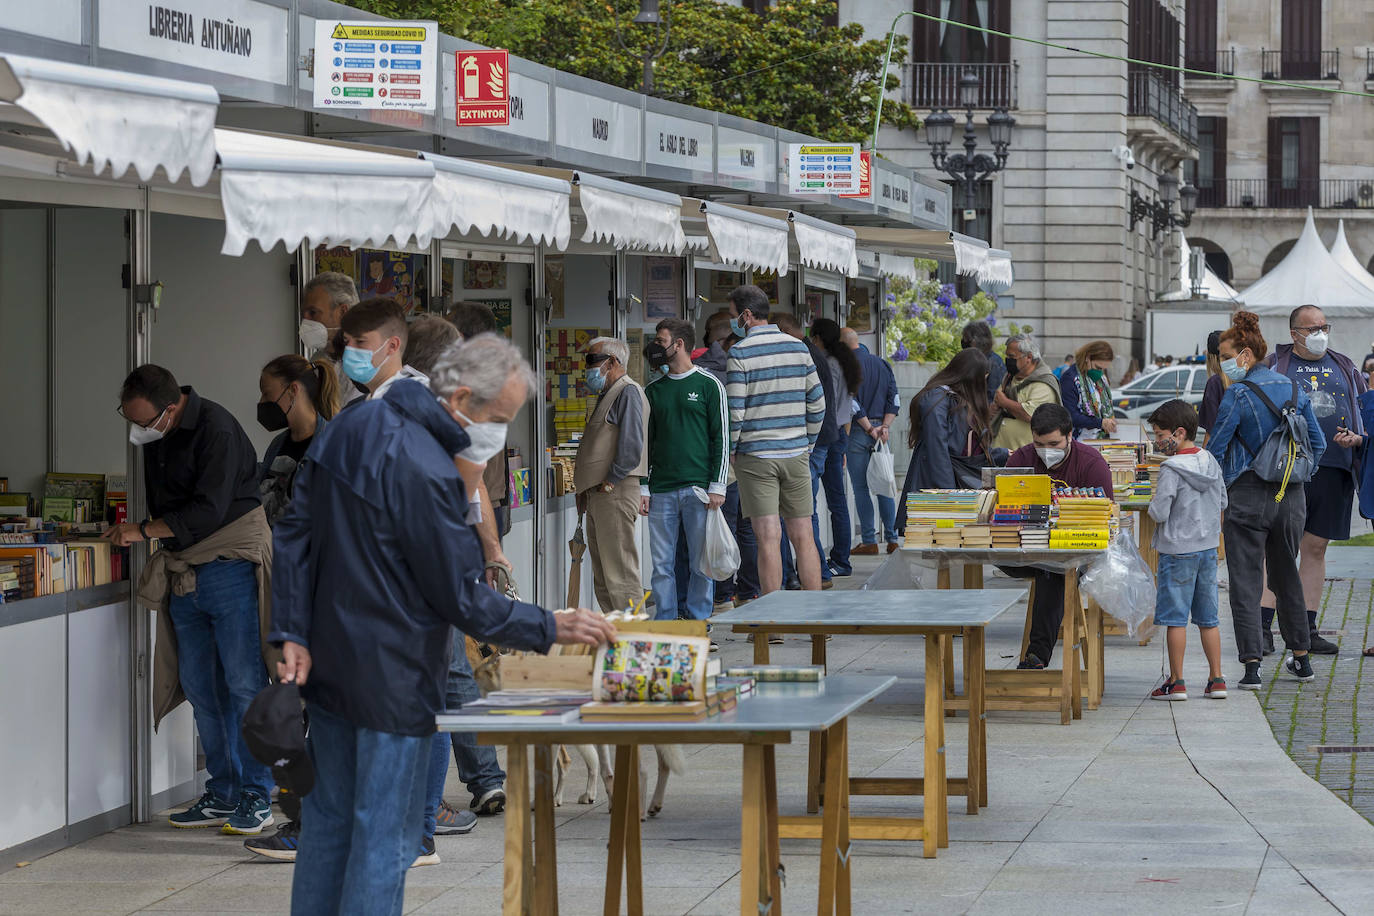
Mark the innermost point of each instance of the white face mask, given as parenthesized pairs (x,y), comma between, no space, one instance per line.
(1316,343)
(1052,457)
(313,335)
(142,435)
(486,440)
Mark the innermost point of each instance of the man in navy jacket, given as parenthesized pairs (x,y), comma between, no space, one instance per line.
(373,562)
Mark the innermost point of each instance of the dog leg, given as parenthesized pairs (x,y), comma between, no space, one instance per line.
(604,755)
(561,760)
(670,760)
(589,759)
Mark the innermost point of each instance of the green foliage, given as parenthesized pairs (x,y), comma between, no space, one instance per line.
(930,320)
(786,67)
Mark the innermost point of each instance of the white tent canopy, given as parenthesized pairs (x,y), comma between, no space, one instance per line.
(492,201)
(1340,250)
(106,117)
(816,243)
(1309,275)
(739,237)
(1213,287)
(970,255)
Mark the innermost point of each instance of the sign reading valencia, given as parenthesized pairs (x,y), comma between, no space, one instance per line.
(483,81)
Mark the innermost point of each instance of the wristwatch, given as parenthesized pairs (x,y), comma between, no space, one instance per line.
(143,528)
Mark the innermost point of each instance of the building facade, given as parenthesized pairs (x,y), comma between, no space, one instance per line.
(1268,152)
(1090,132)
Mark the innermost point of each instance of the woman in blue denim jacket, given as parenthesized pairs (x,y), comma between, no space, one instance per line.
(1259,525)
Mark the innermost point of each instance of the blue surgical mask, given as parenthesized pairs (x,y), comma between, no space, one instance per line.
(1233,370)
(595,380)
(738,329)
(665,368)
(357,363)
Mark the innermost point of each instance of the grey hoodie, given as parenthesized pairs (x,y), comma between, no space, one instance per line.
(1187,504)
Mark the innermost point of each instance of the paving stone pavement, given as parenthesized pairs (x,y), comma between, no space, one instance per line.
(1139,807)
(1331,710)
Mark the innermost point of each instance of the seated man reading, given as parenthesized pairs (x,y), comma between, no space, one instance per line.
(1054,452)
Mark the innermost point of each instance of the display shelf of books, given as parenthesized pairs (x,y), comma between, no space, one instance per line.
(1023,512)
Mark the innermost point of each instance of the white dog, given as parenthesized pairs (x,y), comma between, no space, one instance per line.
(598,760)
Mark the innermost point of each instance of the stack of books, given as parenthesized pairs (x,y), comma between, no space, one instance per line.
(16,580)
(772,674)
(613,711)
(518,704)
(1035,538)
(919,536)
(949,508)
(1085,519)
(976,537)
(1122,458)
(1006,537)
(1147,476)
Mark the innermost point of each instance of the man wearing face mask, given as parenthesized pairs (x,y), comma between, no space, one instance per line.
(375,563)
(612,458)
(1334,384)
(689,449)
(374,343)
(209,580)
(324,301)
(1055,452)
(1031,384)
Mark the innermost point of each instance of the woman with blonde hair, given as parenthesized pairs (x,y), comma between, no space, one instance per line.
(1086,391)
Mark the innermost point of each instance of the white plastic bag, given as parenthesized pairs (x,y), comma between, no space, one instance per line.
(1121,582)
(882,480)
(719,553)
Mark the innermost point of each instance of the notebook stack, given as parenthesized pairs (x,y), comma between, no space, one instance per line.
(948,508)
(1085,518)
(919,536)
(1035,538)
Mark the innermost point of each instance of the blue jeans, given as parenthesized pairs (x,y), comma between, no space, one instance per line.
(477,764)
(219,662)
(360,828)
(745,583)
(859,452)
(827,469)
(670,513)
(1187,586)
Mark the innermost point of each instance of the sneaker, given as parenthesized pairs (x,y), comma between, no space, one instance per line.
(891,546)
(1300,668)
(720,607)
(841,572)
(449,821)
(1267,639)
(827,584)
(1171,690)
(774,639)
(1319,645)
(1251,680)
(715,647)
(1216,688)
(427,855)
(208,812)
(281,846)
(252,815)
(1030,663)
(489,803)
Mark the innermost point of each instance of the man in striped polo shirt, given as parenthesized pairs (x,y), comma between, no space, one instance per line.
(776,409)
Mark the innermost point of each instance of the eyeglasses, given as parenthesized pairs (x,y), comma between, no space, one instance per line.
(1323,328)
(596,359)
(153,422)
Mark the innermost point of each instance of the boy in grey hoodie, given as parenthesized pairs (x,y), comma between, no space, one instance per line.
(1187,506)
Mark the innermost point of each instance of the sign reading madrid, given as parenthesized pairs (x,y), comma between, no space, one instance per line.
(483,81)
(823,168)
(391,65)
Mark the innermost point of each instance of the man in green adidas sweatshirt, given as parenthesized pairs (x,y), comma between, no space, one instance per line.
(689,447)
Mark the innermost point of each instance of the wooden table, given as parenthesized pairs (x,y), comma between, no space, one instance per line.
(1080,675)
(758,724)
(909,612)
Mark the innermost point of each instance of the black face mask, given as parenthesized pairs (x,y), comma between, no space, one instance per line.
(656,354)
(1011,365)
(271,417)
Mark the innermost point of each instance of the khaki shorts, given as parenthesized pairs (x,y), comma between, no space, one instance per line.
(774,486)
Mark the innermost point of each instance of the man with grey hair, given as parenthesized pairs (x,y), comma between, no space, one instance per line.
(325,299)
(373,563)
(611,460)
(1030,383)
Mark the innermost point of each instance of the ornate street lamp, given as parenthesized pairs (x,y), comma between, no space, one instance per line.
(1160,212)
(969,167)
(648,15)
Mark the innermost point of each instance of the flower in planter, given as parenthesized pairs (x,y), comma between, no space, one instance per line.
(901,354)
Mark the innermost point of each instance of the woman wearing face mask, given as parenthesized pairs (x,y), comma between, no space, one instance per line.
(298,397)
(1263,519)
(948,419)
(1086,391)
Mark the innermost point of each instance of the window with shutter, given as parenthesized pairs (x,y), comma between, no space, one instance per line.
(1200,51)
(1294,156)
(1302,39)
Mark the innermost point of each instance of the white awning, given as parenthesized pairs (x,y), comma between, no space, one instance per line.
(302,192)
(123,120)
(997,275)
(505,203)
(741,237)
(624,215)
(896,265)
(970,255)
(818,244)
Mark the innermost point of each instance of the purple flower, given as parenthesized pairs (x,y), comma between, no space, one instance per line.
(991,320)
(891,297)
(901,354)
(947,290)
(950,311)
(944,300)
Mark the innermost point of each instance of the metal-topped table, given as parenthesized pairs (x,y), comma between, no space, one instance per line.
(1083,654)
(938,616)
(758,723)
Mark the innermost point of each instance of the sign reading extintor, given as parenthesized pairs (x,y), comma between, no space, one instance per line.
(483,82)
(823,168)
(865,176)
(388,65)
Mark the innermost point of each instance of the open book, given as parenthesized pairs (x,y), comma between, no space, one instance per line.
(651,668)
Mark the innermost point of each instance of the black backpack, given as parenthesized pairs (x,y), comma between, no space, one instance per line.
(1285,456)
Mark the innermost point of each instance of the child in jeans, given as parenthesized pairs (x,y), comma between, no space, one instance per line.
(1186,507)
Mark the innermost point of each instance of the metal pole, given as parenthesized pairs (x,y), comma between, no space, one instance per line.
(538,462)
(882,81)
(140,627)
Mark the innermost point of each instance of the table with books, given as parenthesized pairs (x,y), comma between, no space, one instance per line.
(935,616)
(1024,521)
(756,713)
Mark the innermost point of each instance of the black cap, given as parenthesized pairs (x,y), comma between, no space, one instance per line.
(274,729)
(1214,343)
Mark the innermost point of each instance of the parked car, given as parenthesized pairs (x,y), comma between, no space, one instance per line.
(1138,399)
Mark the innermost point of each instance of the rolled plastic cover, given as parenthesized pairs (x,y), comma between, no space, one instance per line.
(115,119)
